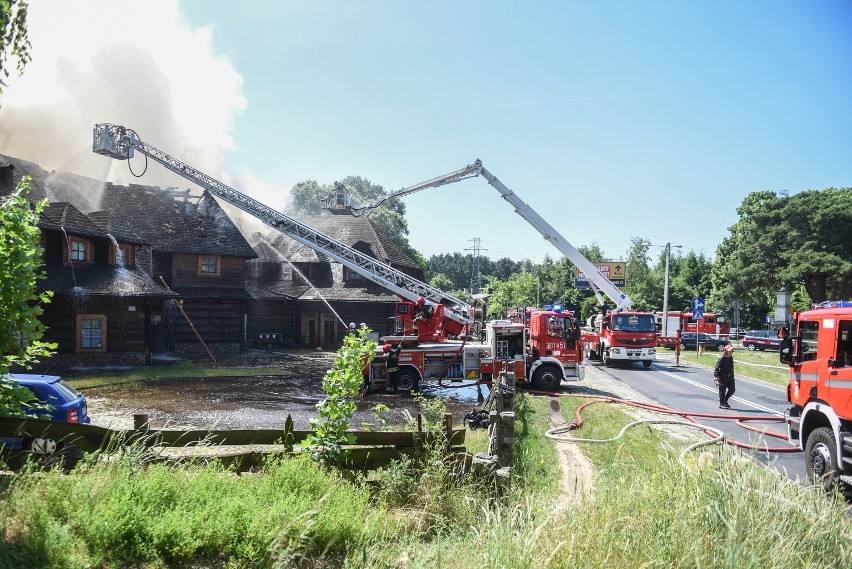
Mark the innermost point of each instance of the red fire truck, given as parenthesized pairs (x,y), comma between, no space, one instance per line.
(818,349)
(710,323)
(626,336)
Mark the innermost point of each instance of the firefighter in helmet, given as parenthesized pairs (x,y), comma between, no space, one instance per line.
(422,312)
(392,365)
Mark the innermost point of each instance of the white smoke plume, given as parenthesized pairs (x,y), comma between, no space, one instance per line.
(137,64)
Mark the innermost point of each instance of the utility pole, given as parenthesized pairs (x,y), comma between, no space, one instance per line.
(475,275)
(666,292)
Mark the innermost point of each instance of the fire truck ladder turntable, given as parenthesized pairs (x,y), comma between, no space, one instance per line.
(119,142)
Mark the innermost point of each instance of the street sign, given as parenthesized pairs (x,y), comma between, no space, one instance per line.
(697,314)
(697,303)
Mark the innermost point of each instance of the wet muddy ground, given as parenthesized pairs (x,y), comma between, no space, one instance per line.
(258,401)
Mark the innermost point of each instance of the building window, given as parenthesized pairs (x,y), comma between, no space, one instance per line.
(78,251)
(124,256)
(208,264)
(350,275)
(91,333)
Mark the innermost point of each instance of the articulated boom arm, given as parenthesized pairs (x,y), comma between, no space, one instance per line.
(340,204)
(621,300)
(120,142)
(596,279)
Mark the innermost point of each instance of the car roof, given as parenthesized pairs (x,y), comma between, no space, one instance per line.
(31,378)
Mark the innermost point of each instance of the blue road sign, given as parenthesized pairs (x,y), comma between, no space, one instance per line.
(697,303)
(697,314)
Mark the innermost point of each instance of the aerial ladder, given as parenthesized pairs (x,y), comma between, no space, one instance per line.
(340,202)
(449,316)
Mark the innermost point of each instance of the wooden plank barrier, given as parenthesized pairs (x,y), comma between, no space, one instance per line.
(371,449)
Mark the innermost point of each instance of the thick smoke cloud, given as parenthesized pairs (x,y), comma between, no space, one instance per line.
(131,63)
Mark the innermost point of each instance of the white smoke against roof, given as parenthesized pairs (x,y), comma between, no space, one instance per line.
(137,64)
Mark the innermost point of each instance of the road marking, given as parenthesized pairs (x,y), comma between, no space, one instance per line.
(716,391)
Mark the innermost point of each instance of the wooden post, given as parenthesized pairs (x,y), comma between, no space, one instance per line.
(188,321)
(140,423)
(288,433)
(448,430)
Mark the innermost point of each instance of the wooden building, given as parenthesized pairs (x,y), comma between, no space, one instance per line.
(117,258)
(310,299)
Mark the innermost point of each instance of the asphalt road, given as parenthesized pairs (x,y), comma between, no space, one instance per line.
(691,388)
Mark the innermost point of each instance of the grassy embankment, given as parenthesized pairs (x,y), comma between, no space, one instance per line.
(646,510)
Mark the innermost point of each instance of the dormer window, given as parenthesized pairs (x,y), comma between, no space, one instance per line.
(208,264)
(78,251)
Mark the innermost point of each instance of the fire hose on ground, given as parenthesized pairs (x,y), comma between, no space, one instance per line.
(691,420)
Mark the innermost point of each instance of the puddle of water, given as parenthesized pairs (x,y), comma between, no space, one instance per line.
(250,402)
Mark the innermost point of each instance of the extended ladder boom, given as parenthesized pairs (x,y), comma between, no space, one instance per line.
(598,281)
(120,142)
(621,300)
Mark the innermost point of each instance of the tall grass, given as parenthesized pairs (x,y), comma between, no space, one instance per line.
(647,510)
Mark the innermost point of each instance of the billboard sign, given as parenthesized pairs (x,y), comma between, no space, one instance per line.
(614,271)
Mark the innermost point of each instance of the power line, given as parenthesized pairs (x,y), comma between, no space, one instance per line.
(475,274)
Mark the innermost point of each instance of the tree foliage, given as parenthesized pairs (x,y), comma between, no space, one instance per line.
(787,242)
(307,197)
(20,262)
(14,43)
(341,384)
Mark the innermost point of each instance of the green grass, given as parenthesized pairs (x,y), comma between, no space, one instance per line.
(181,368)
(646,510)
(756,365)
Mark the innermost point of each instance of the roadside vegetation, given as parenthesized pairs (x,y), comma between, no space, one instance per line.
(646,508)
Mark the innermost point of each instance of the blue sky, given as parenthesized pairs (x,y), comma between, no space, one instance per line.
(613,120)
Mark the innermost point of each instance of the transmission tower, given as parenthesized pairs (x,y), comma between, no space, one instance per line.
(475,275)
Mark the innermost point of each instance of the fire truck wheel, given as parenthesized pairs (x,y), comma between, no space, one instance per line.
(409,380)
(647,363)
(547,378)
(821,458)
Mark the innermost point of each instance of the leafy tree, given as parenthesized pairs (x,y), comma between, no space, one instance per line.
(13,37)
(20,259)
(342,383)
(785,242)
(307,197)
(640,285)
(441,282)
(517,291)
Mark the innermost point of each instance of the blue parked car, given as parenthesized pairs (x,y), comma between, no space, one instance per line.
(67,404)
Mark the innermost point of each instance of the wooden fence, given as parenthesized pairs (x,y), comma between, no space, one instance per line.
(242,449)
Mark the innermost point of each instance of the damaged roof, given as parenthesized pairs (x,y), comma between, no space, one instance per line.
(170,220)
(100,280)
(176,221)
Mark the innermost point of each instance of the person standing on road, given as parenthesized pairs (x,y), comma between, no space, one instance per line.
(724,376)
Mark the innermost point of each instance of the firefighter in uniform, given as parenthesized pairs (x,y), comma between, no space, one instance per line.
(392,365)
(724,376)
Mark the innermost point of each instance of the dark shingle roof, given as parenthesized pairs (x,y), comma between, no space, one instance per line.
(171,221)
(97,280)
(230,293)
(64,216)
(115,226)
(177,221)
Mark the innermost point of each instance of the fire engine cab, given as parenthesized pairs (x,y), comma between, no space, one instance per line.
(818,349)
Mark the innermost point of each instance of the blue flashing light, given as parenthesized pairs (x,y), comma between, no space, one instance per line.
(557,308)
(834,304)
(548,307)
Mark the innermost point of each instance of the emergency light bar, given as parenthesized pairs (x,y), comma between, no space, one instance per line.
(834,304)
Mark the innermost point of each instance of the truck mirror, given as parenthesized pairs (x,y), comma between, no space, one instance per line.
(785,351)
